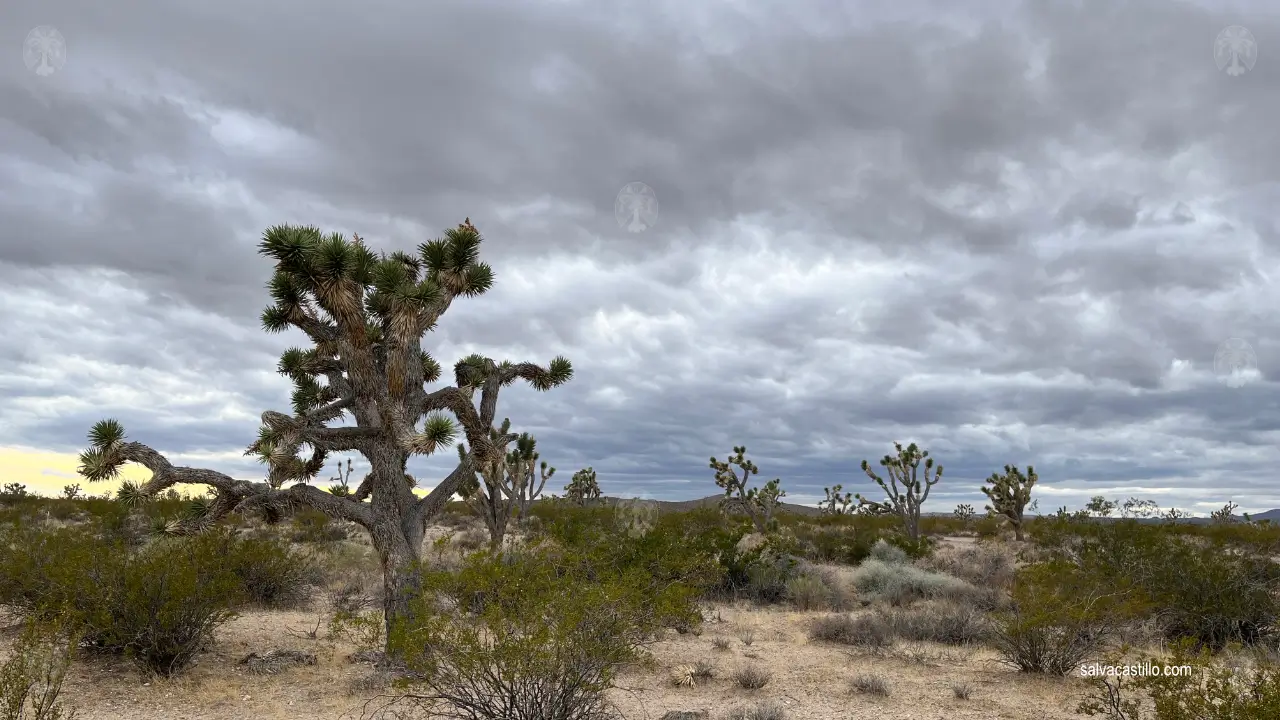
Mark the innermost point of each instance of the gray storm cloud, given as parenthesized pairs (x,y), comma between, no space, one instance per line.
(1014,236)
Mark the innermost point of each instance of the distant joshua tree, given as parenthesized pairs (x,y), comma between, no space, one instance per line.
(499,491)
(836,502)
(1010,494)
(583,487)
(906,491)
(759,503)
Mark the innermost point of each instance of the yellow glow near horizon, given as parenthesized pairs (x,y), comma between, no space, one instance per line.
(46,473)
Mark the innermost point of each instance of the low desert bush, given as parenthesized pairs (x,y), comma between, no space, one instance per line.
(312,526)
(31,679)
(870,685)
(1061,616)
(1194,587)
(814,589)
(871,631)
(763,711)
(272,573)
(888,554)
(943,622)
(900,584)
(751,677)
(546,640)
(985,565)
(157,604)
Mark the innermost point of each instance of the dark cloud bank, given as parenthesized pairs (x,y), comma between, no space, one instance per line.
(1015,236)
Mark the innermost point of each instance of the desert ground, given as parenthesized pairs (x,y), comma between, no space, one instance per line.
(810,680)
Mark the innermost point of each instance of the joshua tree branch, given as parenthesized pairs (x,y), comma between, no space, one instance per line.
(232,494)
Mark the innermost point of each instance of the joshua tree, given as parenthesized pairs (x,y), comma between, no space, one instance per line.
(71,492)
(500,489)
(1100,506)
(1225,515)
(13,491)
(365,314)
(342,481)
(964,513)
(836,502)
(582,487)
(1010,494)
(906,491)
(759,503)
(1133,507)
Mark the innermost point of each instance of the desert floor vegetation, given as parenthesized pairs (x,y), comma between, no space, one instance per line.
(282,620)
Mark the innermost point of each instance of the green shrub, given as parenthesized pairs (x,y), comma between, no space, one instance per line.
(272,573)
(988,526)
(900,584)
(1201,588)
(1208,692)
(840,544)
(546,641)
(158,604)
(31,679)
(1061,616)
(312,526)
(888,554)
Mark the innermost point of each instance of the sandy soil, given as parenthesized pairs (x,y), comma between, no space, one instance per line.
(811,680)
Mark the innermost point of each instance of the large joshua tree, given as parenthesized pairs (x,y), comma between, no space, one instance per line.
(365,315)
(906,491)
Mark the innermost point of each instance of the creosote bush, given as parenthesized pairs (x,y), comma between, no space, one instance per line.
(532,635)
(31,679)
(1205,588)
(158,604)
(1061,617)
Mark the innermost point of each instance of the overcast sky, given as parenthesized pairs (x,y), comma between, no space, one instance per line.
(1019,234)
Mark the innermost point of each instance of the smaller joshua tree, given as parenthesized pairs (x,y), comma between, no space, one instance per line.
(964,513)
(1225,515)
(836,502)
(1010,494)
(342,481)
(582,487)
(758,503)
(501,489)
(906,491)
